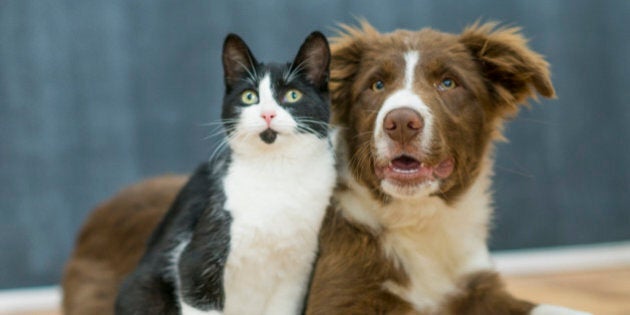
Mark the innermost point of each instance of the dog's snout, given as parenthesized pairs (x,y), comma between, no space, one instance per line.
(403,124)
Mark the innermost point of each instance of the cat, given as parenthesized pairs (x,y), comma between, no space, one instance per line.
(241,236)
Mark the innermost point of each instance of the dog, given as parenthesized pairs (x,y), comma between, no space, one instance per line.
(417,113)
(111,243)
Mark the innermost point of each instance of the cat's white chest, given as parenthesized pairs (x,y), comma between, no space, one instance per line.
(277,205)
(276,196)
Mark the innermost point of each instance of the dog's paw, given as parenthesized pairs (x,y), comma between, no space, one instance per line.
(545,309)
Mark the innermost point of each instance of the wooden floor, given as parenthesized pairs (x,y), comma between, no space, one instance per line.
(602,292)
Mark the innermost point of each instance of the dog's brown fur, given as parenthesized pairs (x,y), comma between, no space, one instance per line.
(352,261)
(111,243)
(483,294)
(499,73)
(497,68)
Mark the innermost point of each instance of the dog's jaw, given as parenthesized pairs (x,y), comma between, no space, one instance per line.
(410,227)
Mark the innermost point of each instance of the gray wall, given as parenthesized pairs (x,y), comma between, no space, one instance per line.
(95,95)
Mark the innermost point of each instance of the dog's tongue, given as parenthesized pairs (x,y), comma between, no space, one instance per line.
(405,163)
(409,165)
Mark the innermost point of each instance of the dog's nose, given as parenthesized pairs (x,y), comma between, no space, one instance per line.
(403,124)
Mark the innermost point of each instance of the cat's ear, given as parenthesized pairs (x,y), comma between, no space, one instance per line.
(238,60)
(313,60)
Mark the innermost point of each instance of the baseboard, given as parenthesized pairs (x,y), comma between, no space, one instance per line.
(516,262)
(30,299)
(562,259)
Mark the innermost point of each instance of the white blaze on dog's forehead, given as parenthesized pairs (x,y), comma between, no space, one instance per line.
(405,98)
(411,60)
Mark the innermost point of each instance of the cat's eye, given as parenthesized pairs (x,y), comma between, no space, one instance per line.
(249,97)
(378,86)
(446,84)
(292,96)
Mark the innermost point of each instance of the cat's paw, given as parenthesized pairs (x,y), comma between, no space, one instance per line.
(545,309)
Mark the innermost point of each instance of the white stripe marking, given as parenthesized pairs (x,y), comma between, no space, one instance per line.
(405,98)
(411,60)
(265,94)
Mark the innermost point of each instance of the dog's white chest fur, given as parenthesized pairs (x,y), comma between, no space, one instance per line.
(433,242)
(277,205)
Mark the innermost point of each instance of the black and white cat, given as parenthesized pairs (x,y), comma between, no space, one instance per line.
(241,237)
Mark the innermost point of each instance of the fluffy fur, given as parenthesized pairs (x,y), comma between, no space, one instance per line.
(419,248)
(111,242)
(241,237)
(407,232)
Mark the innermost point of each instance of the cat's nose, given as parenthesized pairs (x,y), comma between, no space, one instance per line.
(268,116)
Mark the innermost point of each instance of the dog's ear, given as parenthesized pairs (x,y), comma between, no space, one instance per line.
(347,51)
(512,71)
(237,59)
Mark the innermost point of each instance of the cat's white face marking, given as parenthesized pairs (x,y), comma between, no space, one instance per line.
(257,118)
(282,121)
(268,104)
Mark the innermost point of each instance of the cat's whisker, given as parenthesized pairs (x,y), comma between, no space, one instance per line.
(292,72)
(251,75)
(220,122)
(306,128)
(224,130)
(213,135)
(219,127)
(219,148)
(253,66)
(318,122)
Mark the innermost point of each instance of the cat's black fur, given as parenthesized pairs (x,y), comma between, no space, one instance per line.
(198,213)
(150,289)
(313,82)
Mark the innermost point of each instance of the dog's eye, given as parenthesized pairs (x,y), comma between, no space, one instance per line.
(249,97)
(446,84)
(378,86)
(292,96)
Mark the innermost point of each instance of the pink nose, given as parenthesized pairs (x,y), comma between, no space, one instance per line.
(268,116)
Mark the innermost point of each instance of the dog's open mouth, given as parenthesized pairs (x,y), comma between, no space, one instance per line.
(408,170)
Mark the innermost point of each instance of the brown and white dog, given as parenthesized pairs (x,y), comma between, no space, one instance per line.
(417,115)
